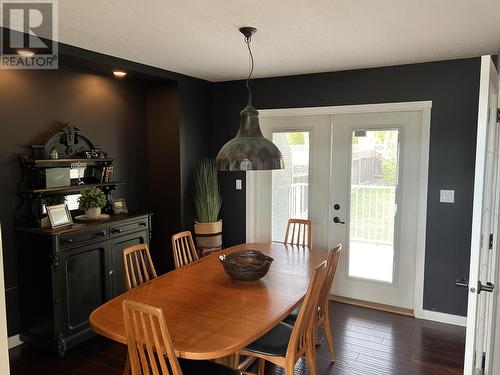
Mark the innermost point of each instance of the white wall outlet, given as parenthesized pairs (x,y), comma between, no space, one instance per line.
(238,184)
(447,196)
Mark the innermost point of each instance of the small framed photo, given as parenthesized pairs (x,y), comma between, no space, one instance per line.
(59,216)
(119,206)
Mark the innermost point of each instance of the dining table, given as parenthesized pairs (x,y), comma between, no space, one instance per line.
(208,314)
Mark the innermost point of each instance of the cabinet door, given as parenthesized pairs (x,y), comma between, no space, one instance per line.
(117,272)
(82,285)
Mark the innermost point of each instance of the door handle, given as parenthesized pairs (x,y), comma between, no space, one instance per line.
(462,283)
(336,220)
(488,287)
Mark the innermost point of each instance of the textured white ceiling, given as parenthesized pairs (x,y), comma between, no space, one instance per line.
(200,37)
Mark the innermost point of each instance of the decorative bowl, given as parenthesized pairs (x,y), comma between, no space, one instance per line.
(246,265)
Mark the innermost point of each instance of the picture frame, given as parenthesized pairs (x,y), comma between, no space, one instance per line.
(119,206)
(59,216)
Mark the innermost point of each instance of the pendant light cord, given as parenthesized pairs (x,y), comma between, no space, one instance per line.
(248,41)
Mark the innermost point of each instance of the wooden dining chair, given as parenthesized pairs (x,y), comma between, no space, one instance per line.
(298,232)
(138,265)
(150,346)
(323,317)
(184,249)
(284,345)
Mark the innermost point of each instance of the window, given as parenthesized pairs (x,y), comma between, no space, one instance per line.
(290,186)
(374,180)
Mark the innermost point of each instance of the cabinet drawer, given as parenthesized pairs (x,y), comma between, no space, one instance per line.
(129,227)
(71,239)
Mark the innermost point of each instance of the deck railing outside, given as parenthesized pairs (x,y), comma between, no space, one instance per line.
(372,213)
(298,200)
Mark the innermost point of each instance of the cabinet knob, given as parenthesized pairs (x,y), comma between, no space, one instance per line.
(102,233)
(116,230)
(110,272)
(67,240)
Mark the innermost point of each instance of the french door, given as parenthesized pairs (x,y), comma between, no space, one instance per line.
(300,190)
(375,180)
(358,177)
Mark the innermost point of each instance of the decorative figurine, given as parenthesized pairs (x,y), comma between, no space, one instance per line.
(54,154)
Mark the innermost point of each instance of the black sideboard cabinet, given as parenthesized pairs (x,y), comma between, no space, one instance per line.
(66,273)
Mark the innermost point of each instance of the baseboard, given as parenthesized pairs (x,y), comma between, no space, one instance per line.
(14,341)
(435,316)
(373,305)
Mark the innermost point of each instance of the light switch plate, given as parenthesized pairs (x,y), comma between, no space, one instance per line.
(447,196)
(238,184)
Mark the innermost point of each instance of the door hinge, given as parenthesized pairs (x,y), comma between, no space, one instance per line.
(491,241)
(498,114)
(483,361)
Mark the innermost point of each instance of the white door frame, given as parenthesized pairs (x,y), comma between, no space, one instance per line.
(480,197)
(4,347)
(423,106)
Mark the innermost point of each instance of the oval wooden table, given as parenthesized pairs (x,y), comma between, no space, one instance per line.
(211,316)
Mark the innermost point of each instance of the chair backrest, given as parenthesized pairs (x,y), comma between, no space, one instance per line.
(304,329)
(138,265)
(184,249)
(298,232)
(148,340)
(331,267)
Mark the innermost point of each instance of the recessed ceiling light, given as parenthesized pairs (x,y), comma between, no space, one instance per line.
(119,73)
(25,52)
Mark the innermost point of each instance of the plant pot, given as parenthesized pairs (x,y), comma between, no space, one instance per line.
(208,237)
(93,213)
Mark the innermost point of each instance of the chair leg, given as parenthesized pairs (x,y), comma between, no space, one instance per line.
(262,366)
(311,359)
(127,369)
(329,339)
(289,368)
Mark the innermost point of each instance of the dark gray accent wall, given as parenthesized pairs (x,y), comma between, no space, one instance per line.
(194,111)
(114,114)
(34,105)
(453,87)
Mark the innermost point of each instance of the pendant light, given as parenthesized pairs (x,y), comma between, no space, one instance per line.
(249,150)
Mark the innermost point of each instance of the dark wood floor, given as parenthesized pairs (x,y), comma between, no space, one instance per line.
(367,342)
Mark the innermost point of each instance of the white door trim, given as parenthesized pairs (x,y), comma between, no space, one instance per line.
(347,109)
(4,345)
(445,318)
(425,108)
(480,196)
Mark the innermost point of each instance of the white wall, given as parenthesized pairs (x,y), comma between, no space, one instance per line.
(4,348)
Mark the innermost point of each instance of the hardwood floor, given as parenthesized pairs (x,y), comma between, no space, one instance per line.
(367,342)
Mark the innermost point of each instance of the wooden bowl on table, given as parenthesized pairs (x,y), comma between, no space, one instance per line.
(246,265)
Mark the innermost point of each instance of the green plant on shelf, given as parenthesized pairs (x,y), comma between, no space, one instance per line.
(92,198)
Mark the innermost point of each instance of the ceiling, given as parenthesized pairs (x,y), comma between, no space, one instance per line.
(200,38)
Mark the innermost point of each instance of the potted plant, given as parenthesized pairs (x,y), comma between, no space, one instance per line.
(207,200)
(91,201)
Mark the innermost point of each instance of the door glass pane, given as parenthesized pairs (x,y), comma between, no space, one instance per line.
(374,179)
(290,186)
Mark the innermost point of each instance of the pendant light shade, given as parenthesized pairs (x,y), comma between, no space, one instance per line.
(249,150)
